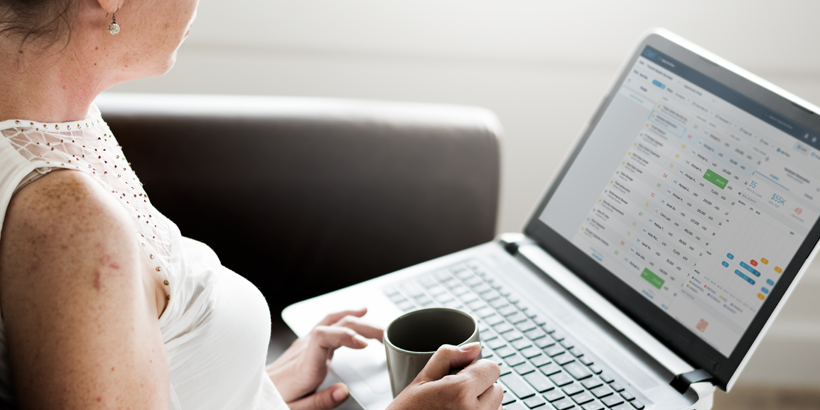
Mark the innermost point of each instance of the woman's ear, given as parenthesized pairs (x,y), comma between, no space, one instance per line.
(110,6)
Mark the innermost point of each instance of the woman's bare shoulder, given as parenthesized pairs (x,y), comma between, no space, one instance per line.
(81,328)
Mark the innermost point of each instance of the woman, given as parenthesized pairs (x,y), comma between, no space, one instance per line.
(104,304)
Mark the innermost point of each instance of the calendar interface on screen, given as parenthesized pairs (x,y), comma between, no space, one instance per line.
(693,195)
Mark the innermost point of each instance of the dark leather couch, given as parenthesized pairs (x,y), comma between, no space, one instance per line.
(306,195)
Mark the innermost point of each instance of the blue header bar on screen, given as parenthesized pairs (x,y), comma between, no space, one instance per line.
(733,97)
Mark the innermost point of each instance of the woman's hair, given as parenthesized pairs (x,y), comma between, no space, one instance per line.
(44,22)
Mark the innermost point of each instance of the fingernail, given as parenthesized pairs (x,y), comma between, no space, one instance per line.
(470,346)
(361,339)
(340,393)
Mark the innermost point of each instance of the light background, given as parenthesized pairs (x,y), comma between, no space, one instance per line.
(542,66)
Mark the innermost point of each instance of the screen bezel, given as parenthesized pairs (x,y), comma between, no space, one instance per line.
(678,338)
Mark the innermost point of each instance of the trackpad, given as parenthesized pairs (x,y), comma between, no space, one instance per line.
(368,364)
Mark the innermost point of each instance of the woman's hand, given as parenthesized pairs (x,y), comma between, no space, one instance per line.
(304,366)
(471,388)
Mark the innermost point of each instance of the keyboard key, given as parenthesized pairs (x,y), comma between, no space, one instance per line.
(512,335)
(622,406)
(508,398)
(578,370)
(606,378)
(477,304)
(594,406)
(544,342)
(444,298)
(576,352)
(550,369)
(397,298)
(412,289)
(516,317)
(516,406)
(617,387)
(540,360)
(390,291)
(467,297)
(492,295)
(525,326)
(627,395)
(482,288)
(512,297)
(524,368)
(561,379)
(505,351)
(583,398)
(592,383)
(487,334)
(535,334)
(572,389)
(460,290)
(503,327)
(428,282)
(530,351)
(406,305)
(563,359)
(602,391)
(494,320)
(486,311)
(557,336)
(496,343)
(595,369)
(539,320)
(553,395)
(586,360)
(442,276)
(638,405)
(549,328)
(568,344)
(473,281)
(563,404)
(518,386)
(504,369)
(424,300)
(523,344)
(453,304)
(535,401)
(553,350)
(612,401)
(498,303)
(507,310)
(539,382)
(514,360)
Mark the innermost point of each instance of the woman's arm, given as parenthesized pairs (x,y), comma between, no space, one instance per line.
(79,301)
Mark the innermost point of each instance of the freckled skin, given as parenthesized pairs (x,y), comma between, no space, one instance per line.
(83,334)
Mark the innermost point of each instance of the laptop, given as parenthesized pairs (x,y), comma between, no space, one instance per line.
(664,247)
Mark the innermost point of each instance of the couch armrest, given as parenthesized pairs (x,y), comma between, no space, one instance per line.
(306,195)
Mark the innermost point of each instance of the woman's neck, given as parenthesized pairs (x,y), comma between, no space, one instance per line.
(47,86)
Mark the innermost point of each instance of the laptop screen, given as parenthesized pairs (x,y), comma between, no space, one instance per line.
(693,195)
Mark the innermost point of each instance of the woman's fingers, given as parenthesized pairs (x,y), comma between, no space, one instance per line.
(448,357)
(361,327)
(480,376)
(334,337)
(335,317)
(491,398)
(326,399)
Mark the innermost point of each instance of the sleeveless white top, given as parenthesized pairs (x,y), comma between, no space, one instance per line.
(216,327)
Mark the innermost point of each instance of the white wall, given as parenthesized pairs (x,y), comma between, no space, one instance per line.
(541,65)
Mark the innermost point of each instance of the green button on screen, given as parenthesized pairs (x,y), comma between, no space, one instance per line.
(652,278)
(716,179)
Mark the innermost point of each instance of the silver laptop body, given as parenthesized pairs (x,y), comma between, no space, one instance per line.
(664,247)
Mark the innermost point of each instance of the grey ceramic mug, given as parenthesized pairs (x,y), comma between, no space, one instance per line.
(412,338)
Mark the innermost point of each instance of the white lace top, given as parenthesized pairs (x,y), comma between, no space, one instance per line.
(216,326)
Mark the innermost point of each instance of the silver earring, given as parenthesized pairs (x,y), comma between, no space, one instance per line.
(114,28)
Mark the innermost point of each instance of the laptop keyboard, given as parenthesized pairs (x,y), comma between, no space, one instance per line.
(541,366)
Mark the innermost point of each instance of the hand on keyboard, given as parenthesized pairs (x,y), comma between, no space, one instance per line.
(471,388)
(303,367)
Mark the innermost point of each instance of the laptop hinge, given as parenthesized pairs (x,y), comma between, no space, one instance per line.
(511,242)
(682,381)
